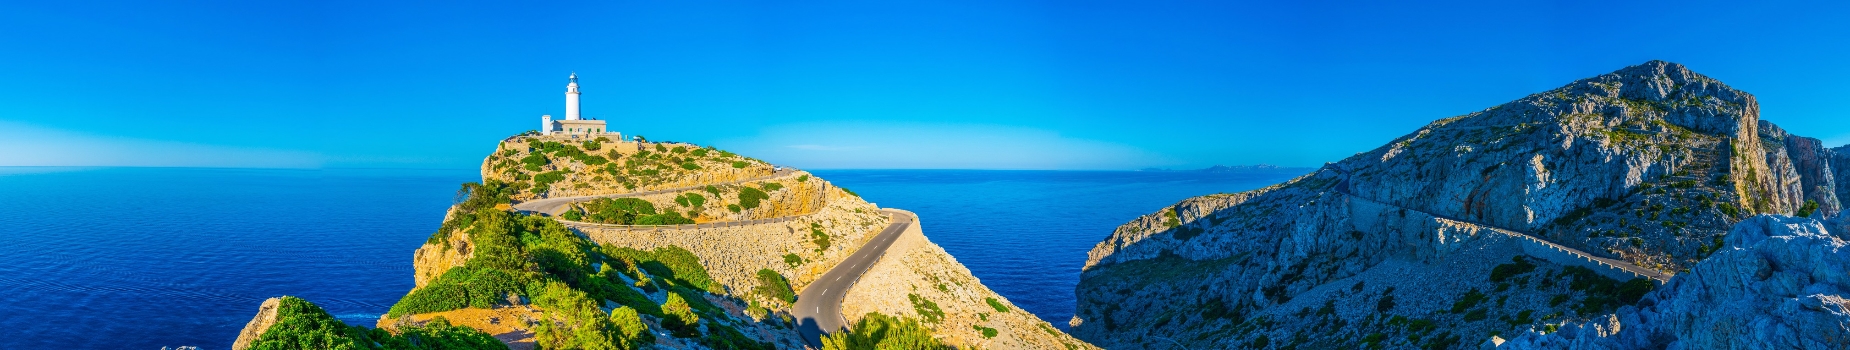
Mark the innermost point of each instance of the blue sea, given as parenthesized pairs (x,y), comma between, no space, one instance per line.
(141,258)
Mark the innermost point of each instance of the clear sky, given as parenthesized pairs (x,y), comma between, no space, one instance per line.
(853,84)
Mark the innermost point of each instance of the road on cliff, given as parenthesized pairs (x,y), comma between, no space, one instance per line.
(1342,186)
(818,309)
(554,206)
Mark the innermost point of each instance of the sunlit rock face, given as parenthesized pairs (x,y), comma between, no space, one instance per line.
(1652,165)
(1781,283)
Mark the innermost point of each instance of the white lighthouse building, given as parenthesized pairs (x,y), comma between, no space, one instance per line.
(574,124)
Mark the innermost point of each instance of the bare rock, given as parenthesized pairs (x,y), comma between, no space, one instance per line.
(266,316)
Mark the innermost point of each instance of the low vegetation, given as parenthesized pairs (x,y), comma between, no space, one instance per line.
(302,325)
(519,257)
(879,331)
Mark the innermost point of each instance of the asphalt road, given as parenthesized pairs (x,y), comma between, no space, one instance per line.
(1658,276)
(818,308)
(554,206)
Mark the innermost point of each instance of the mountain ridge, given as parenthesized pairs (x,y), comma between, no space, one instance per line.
(1651,164)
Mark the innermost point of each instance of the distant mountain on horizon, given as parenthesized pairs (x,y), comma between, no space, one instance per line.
(1258,168)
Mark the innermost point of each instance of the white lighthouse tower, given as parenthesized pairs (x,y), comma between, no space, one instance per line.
(571,98)
(574,125)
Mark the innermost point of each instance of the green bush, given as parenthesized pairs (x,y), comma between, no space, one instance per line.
(996,304)
(302,325)
(821,239)
(681,318)
(879,331)
(739,164)
(671,264)
(1476,315)
(774,286)
(1517,266)
(1470,299)
(928,310)
(772,186)
(1810,207)
(749,198)
(793,260)
(987,332)
(460,287)
(802,178)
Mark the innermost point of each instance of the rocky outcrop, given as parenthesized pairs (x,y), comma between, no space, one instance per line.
(266,316)
(1781,283)
(435,258)
(1817,178)
(1840,170)
(1650,165)
(916,272)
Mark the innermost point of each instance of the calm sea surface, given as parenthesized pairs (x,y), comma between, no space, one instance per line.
(140,258)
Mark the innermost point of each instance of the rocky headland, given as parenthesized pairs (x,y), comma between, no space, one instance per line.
(676,246)
(1552,219)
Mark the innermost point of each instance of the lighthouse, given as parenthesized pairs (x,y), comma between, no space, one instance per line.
(574,125)
(571,98)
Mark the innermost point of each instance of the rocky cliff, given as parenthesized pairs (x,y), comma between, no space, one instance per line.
(1419,242)
(1779,283)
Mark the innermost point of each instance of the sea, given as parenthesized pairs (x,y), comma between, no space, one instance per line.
(145,258)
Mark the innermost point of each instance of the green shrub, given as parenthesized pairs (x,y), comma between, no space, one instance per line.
(732,208)
(749,198)
(1386,303)
(802,178)
(460,287)
(700,152)
(690,166)
(993,303)
(928,310)
(1471,298)
(1632,291)
(740,164)
(1810,207)
(1517,266)
(793,260)
(774,286)
(772,186)
(671,264)
(821,239)
(681,318)
(987,332)
(302,325)
(1476,315)
(879,331)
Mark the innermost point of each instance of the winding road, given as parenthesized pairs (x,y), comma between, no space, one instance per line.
(818,309)
(1656,276)
(554,206)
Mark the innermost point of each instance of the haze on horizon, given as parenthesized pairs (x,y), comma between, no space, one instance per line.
(967,85)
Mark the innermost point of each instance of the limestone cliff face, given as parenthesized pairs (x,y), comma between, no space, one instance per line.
(916,271)
(1781,283)
(1651,164)
(266,316)
(434,258)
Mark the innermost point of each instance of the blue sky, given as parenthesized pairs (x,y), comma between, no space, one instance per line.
(853,84)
